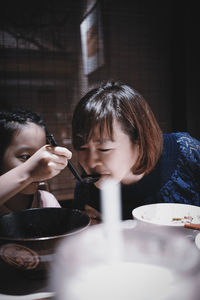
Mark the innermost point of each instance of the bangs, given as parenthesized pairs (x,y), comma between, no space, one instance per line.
(85,133)
(91,118)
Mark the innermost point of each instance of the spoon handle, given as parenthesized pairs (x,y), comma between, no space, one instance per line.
(74,172)
(53,143)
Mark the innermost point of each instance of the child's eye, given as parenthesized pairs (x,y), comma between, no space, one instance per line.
(24,157)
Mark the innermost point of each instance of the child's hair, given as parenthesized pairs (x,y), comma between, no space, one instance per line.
(115,100)
(12,121)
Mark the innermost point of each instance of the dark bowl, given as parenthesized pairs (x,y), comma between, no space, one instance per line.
(29,238)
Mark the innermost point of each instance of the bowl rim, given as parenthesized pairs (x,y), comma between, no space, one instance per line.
(12,239)
(161,204)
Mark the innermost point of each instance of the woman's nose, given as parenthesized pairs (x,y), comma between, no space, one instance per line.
(93,160)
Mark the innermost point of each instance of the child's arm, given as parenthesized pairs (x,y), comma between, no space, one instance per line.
(44,164)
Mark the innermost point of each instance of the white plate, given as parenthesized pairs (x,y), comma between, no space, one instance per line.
(167,214)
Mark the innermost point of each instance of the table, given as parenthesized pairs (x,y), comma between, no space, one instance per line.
(14,285)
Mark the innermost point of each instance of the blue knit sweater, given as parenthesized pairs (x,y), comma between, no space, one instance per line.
(175,178)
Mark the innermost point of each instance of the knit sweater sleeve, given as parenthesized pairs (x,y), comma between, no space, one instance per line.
(184,183)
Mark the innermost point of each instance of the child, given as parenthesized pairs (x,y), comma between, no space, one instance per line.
(25,161)
(117,136)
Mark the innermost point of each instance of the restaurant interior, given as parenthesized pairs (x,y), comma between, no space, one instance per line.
(53,52)
(151,45)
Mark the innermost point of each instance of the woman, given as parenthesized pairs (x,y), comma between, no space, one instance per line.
(117,136)
(25,161)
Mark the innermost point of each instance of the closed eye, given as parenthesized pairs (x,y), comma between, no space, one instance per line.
(104,150)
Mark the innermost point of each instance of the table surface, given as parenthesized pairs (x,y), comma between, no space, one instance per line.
(14,285)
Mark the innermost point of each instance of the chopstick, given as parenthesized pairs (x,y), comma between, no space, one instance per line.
(192,226)
(53,143)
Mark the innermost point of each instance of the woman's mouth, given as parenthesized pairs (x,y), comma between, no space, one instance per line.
(102,177)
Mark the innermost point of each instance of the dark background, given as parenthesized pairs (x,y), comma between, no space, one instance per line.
(151,45)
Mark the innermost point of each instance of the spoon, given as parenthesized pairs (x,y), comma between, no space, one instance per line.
(87,178)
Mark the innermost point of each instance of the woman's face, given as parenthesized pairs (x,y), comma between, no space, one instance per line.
(24,144)
(110,158)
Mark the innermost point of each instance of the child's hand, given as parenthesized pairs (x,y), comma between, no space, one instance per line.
(47,162)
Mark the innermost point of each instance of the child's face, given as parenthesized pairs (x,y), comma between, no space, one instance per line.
(110,158)
(24,144)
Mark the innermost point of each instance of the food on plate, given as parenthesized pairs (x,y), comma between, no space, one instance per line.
(185,219)
(168,214)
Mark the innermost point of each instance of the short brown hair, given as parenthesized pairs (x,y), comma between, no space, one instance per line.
(115,100)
